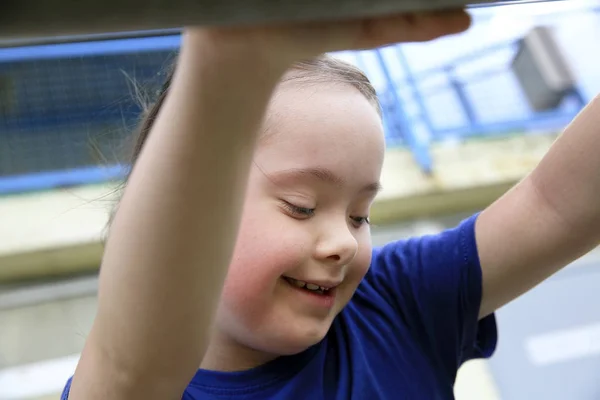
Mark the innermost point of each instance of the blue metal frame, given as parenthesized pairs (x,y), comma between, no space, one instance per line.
(396,120)
(459,89)
(61,179)
(31,119)
(95,48)
(550,120)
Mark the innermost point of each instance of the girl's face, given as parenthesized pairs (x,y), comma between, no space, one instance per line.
(304,223)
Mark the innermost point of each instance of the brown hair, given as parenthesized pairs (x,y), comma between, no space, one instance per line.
(325,69)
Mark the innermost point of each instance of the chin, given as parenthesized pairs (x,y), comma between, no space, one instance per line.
(279,335)
(286,342)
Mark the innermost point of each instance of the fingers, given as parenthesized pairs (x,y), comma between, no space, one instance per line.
(411,28)
(305,40)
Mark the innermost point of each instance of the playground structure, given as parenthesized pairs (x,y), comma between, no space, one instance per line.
(68,108)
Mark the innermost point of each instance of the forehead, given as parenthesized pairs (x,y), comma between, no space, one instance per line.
(331,126)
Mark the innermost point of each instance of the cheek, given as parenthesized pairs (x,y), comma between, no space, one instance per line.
(264,251)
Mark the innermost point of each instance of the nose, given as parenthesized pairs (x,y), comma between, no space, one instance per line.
(336,243)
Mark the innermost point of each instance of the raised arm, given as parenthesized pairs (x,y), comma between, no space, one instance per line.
(168,249)
(548,220)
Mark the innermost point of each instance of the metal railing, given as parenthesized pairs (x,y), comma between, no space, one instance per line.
(66,108)
(402,129)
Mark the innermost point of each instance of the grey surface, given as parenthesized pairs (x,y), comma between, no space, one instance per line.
(26,18)
(566,301)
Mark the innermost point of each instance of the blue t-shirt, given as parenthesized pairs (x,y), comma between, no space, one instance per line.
(412,322)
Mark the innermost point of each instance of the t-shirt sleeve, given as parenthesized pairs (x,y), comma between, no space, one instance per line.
(434,283)
(65,393)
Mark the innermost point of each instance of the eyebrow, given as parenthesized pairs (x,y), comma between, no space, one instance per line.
(321,174)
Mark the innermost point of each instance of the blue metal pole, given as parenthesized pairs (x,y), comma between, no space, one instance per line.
(49,180)
(465,58)
(412,83)
(463,98)
(419,148)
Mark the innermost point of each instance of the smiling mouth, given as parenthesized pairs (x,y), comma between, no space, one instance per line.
(310,287)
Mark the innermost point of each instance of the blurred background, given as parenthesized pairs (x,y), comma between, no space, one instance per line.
(466,117)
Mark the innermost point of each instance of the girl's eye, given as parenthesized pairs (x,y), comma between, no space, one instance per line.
(360,220)
(299,212)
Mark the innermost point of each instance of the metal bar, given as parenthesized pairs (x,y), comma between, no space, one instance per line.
(38,41)
(65,178)
(465,58)
(31,18)
(545,121)
(417,94)
(463,98)
(420,150)
(94,48)
(474,78)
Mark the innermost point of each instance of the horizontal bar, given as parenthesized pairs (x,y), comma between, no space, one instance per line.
(56,179)
(34,18)
(544,121)
(86,38)
(94,48)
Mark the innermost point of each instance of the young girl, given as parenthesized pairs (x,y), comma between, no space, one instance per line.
(242,245)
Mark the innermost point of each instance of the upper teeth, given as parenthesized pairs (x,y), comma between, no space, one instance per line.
(309,286)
